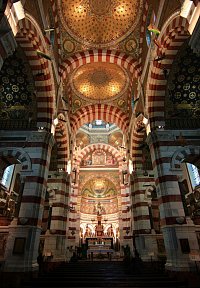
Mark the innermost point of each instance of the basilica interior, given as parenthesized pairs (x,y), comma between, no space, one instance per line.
(99,132)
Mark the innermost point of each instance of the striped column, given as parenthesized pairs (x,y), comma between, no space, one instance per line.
(126,233)
(28,225)
(163,145)
(140,205)
(73,225)
(58,187)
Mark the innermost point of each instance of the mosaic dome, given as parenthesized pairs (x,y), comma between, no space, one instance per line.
(99,81)
(100,22)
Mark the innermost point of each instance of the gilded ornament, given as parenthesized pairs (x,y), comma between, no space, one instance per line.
(130,45)
(77,103)
(177,95)
(5,80)
(23,96)
(9,97)
(15,88)
(121,103)
(192,95)
(196,78)
(186,86)
(69,46)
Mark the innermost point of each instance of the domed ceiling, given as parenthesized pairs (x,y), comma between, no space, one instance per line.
(99,81)
(116,139)
(100,23)
(82,139)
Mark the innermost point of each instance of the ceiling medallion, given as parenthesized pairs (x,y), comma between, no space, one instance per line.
(99,81)
(100,77)
(100,7)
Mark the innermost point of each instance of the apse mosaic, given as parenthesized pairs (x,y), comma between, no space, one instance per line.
(184,87)
(99,81)
(99,158)
(100,22)
(17,99)
(97,206)
(99,187)
(99,196)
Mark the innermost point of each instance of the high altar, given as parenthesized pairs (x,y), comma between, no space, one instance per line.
(100,243)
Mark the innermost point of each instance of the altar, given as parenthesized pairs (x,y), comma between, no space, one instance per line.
(100,245)
(102,248)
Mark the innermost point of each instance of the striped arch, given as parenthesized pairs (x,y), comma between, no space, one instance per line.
(184,153)
(18,154)
(62,140)
(100,55)
(137,138)
(57,29)
(30,38)
(104,112)
(103,146)
(171,38)
(143,28)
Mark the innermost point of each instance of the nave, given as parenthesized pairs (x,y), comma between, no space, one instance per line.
(105,274)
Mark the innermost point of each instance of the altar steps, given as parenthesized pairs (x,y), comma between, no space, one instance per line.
(102,274)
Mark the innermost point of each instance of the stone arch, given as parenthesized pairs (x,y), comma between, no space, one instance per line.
(105,147)
(137,136)
(102,112)
(62,140)
(172,36)
(183,153)
(100,55)
(18,154)
(31,39)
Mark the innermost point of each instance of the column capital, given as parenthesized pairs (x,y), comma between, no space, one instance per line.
(160,135)
(41,136)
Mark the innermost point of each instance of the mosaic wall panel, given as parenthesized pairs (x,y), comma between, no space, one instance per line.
(17,98)
(99,188)
(99,158)
(183,101)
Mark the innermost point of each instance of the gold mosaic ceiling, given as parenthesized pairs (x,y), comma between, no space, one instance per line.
(100,22)
(99,81)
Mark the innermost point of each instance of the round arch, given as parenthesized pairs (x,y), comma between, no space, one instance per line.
(62,140)
(183,153)
(31,39)
(104,112)
(100,55)
(105,147)
(18,154)
(172,36)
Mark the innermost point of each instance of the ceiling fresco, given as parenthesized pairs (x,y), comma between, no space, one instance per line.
(99,23)
(99,81)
